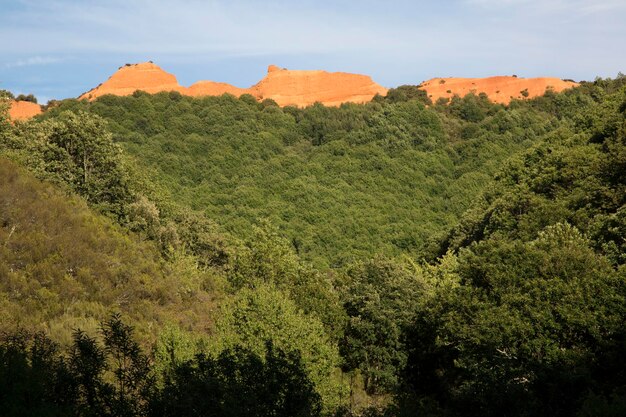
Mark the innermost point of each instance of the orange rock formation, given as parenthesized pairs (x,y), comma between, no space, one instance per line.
(501,89)
(211,88)
(146,76)
(303,88)
(299,88)
(22,110)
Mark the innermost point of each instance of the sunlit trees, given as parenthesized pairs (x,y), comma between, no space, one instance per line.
(254,316)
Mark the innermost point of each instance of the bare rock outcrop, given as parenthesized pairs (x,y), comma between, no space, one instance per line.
(500,89)
(22,110)
(303,88)
(286,87)
(145,76)
(212,88)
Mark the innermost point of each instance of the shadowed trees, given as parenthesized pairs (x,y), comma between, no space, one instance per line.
(115,378)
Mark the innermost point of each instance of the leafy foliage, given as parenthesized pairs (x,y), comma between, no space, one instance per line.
(252,317)
(341,184)
(379,300)
(524,328)
(6,94)
(458,258)
(115,379)
(237,383)
(75,149)
(537,323)
(62,266)
(24,97)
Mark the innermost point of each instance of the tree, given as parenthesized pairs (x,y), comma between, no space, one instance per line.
(77,149)
(522,335)
(23,97)
(173,348)
(5,126)
(252,317)
(406,93)
(100,175)
(268,258)
(6,95)
(239,382)
(88,363)
(131,368)
(379,297)
(34,377)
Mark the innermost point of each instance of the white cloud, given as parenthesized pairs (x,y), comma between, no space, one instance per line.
(35,60)
(190,26)
(602,6)
(571,7)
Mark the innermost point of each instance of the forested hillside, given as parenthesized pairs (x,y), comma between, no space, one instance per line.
(228,257)
(63,267)
(340,183)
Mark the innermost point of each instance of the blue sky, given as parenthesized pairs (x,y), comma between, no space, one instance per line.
(61,48)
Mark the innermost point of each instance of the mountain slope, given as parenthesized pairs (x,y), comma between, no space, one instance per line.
(342,183)
(523,315)
(61,266)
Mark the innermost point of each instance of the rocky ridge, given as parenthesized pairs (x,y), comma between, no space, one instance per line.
(500,89)
(286,87)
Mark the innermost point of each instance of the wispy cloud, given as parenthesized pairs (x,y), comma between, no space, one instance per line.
(190,26)
(497,3)
(34,60)
(602,6)
(570,7)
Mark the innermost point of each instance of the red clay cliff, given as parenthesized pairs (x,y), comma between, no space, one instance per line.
(286,87)
(501,89)
(303,88)
(146,76)
(22,110)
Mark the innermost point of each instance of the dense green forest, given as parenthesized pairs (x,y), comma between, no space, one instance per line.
(340,183)
(164,255)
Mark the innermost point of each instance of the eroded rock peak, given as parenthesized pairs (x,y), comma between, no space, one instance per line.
(286,87)
(499,89)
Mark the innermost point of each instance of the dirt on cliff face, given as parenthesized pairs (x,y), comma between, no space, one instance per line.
(22,110)
(299,88)
(501,89)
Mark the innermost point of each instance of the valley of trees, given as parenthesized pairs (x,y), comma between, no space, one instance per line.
(340,183)
(165,255)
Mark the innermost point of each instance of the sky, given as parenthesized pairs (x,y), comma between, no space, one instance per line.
(57,49)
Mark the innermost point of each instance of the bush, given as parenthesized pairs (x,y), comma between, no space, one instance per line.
(30,98)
